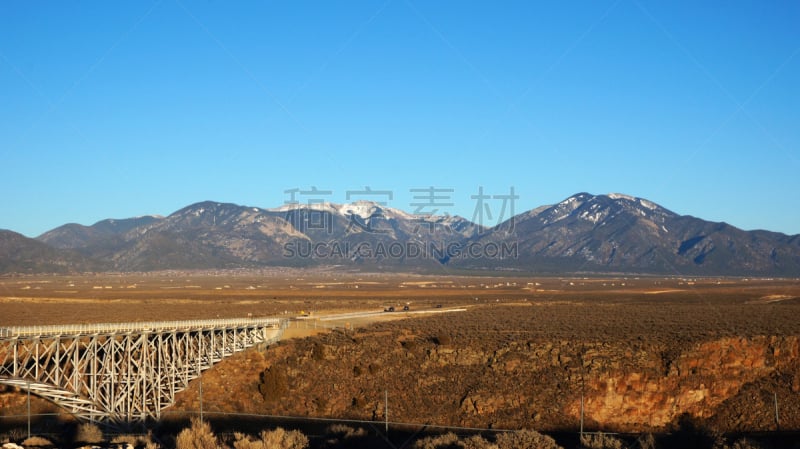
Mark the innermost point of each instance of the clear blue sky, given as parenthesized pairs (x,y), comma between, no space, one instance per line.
(119,109)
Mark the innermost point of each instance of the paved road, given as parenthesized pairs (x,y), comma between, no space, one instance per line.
(370,314)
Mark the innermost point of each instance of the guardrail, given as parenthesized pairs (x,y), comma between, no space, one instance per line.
(142,326)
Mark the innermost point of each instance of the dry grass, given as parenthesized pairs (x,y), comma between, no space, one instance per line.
(600,440)
(345,432)
(273,384)
(138,441)
(31,300)
(525,439)
(197,436)
(554,311)
(11,435)
(521,439)
(35,441)
(448,440)
(88,433)
(742,443)
(272,439)
(646,441)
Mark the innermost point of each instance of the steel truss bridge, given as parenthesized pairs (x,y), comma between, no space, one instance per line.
(123,372)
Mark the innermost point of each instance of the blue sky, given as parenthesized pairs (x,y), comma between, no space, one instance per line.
(119,109)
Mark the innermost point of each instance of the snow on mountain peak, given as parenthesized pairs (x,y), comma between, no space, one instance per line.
(363,209)
(620,196)
(648,204)
(565,208)
(642,207)
(323,206)
(366,209)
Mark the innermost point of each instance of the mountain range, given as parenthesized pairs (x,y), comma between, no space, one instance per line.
(585,233)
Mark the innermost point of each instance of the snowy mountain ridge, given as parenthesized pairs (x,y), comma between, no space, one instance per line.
(584,232)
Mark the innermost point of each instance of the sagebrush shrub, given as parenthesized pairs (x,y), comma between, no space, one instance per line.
(437,442)
(125,439)
(744,443)
(196,436)
(344,431)
(35,441)
(273,384)
(13,435)
(452,441)
(525,439)
(646,441)
(442,339)
(283,439)
(600,440)
(88,433)
(476,442)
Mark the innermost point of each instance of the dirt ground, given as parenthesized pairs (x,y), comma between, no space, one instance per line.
(204,295)
(544,325)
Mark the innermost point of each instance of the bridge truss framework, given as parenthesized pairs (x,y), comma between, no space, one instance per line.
(123,372)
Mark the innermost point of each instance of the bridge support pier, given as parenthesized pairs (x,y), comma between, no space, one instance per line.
(122,372)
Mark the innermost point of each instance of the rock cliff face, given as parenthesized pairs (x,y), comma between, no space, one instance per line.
(527,384)
(505,372)
(697,382)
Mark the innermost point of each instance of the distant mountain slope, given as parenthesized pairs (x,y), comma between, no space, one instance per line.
(620,233)
(210,234)
(73,235)
(20,254)
(206,235)
(223,235)
(583,233)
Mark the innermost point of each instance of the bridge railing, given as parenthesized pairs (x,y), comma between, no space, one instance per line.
(141,326)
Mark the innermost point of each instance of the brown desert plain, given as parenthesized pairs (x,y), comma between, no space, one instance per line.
(638,354)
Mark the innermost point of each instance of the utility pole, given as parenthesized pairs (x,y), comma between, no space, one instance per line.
(583,386)
(200,388)
(581,414)
(201,399)
(386,409)
(29,409)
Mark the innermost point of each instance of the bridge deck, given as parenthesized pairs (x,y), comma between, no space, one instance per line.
(123,372)
(139,327)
